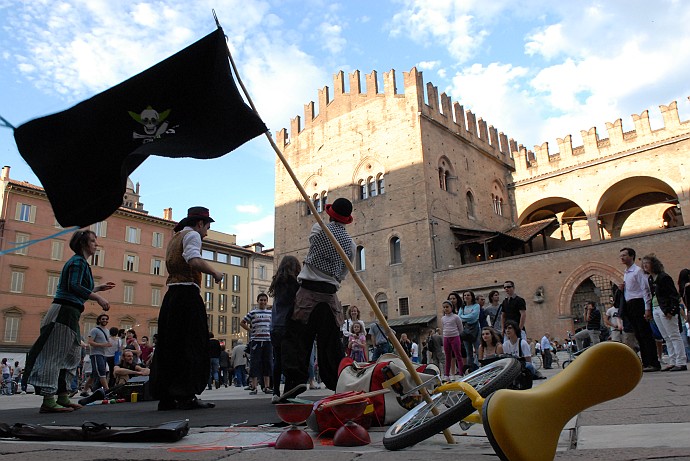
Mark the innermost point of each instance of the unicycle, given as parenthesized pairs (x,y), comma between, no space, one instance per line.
(453,405)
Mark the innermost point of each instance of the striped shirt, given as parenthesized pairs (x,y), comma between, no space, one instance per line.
(260,320)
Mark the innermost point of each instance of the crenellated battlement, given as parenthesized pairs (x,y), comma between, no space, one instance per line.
(530,165)
(423,98)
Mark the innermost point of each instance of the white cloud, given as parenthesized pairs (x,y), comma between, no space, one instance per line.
(448,23)
(428,65)
(251,209)
(260,230)
(331,36)
(80,47)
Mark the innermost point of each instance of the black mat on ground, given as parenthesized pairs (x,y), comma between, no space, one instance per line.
(245,412)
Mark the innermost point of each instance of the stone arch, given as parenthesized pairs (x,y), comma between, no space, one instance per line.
(315,184)
(630,196)
(368,167)
(571,217)
(578,276)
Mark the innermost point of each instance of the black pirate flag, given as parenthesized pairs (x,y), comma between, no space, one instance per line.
(185,106)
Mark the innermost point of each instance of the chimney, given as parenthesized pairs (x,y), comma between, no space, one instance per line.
(167,214)
(5,176)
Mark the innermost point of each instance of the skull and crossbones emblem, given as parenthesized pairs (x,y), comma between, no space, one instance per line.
(153,122)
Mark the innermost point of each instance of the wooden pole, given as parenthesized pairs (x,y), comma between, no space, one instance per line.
(367,294)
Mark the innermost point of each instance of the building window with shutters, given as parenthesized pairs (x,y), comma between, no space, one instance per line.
(53,280)
(25,213)
(57,248)
(403,306)
(133,235)
(208,300)
(11,328)
(129,293)
(19,240)
(157,240)
(17,281)
(155,296)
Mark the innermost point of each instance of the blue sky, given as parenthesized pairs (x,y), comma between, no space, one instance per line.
(535,69)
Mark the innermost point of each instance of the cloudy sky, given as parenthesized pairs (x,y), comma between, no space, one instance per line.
(535,69)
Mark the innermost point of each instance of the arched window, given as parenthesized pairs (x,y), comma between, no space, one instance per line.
(382,302)
(372,187)
(362,190)
(360,259)
(308,209)
(499,206)
(324,199)
(381,184)
(396,257)
(317,203)
(470,205)
(442,179)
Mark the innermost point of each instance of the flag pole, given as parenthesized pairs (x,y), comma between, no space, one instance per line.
(367,294)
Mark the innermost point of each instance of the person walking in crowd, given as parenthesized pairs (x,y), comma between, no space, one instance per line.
(224,365)
(684,291)
(351,317)
(379,340)
(546,348)
(613,321)
(435,347)
(452,328)
(414,351)
(469,314)
(182,325)
(406,344)
(258,323)
(638,308)
(665,309)
(238,360)
(283,290)
(17,377)
(52,362)
(513,308)
(592,328)
(318,313)
(494,311)
(489,344)
(6,377)
(357,343)
(113,353)
(98,345)
(214,350)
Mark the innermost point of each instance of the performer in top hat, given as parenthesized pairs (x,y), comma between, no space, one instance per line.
(180,366)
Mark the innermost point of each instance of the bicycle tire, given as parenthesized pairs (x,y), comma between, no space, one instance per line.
(420,423)
(566,363)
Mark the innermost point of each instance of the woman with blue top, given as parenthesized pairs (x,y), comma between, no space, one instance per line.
(53,359)
(469,314)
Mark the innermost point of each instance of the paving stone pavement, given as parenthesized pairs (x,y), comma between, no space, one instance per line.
(650,423)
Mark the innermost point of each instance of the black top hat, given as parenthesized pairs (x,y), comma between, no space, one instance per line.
(341,210)
(193,214)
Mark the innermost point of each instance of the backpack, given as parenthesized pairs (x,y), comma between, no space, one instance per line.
(367,377)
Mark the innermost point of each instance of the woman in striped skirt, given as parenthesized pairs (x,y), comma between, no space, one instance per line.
(53,359)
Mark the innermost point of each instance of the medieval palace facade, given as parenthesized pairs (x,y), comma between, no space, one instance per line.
(443,201)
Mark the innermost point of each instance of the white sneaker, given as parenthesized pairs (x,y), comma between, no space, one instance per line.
(445,378)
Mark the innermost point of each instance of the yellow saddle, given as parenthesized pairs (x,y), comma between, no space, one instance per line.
(526,425)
